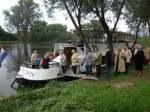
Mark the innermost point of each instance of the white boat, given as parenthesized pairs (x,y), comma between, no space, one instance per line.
(54,71)
(41,74)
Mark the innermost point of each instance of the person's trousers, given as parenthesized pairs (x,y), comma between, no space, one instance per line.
(88,69)
(63,69)
(126,67)
(107,72)
(98,69)
(74,69)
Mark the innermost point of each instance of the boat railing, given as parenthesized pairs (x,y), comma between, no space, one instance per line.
(28,64)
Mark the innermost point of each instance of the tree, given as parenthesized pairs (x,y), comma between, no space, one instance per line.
(101,8)
(41,31)
(82,8)
(6,36)
(93,30)
(74,8)
(136,15)
(58,32)
(38,31)
(21,16)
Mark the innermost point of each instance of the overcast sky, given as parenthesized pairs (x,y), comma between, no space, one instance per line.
(60,17)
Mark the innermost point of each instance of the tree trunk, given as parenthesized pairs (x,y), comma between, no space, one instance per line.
(110,41)
(76,26)
(137,32)
(149,28)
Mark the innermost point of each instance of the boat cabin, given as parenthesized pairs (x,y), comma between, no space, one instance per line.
(67,49)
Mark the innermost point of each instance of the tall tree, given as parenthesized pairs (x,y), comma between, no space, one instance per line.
(136,15)
(103,8)
(21,16)
(81,8)
(93,30)
(41,31)
(74,8)
(5,35)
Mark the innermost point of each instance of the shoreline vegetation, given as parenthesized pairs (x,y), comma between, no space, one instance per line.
(141,40)
(9,42)
(18,42)
(85,95)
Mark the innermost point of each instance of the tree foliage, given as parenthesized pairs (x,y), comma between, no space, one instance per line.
(4,36)
(20,17)
(93,30)
(137,15)
(75,10)
(103,8)
(41,31)
(82,8)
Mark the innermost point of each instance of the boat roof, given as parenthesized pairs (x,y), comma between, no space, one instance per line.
(58,46)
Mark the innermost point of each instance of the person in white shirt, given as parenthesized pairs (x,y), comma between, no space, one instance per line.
(88,60)
(63,62)
(128,56)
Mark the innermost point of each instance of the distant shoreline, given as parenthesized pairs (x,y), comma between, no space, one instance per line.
(9,42)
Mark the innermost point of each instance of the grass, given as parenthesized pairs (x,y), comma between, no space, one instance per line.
(145,41)
(103,98)
(33,101)
(84,96)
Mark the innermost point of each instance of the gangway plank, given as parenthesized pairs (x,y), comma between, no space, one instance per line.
(81,76)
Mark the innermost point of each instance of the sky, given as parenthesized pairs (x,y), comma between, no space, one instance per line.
(59,16)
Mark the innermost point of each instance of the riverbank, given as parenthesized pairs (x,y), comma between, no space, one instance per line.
(84,95)
(17,42)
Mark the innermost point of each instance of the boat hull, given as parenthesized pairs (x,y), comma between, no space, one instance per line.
(38,74)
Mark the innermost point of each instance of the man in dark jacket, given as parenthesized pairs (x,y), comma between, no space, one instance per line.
(108,63)
(139,61)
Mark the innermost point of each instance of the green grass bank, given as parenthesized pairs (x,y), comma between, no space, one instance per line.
(84,96)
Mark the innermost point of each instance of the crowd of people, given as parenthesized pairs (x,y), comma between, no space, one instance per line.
(37,61)
(136,56)
(125,57)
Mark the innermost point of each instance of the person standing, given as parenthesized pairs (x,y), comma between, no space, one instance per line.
(37,61)
(46,60)
(88,60)
(98,62)
(108,63)
(33,58)
(127,58)
(116,66)
(146,54)
(63,62)
(74,61)
(121,64)
(139,61)
(3,54)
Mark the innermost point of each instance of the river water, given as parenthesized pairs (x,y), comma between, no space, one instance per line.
(17,54)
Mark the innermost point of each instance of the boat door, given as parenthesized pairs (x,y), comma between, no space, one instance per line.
(68,53)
